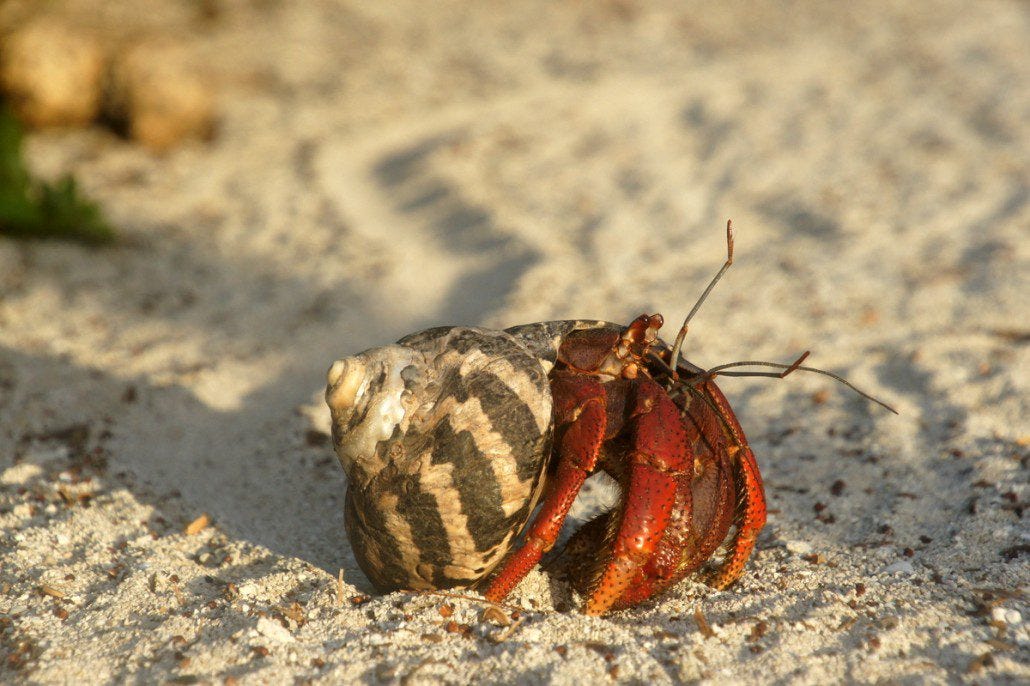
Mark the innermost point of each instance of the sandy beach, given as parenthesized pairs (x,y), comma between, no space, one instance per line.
(379,168)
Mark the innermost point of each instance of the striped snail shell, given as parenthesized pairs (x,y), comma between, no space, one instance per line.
(444,437)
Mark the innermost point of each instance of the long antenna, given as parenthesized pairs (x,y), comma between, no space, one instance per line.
(675,355)
(672,366)
(788,368)
(702,375)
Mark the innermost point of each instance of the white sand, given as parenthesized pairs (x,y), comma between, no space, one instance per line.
(381,170)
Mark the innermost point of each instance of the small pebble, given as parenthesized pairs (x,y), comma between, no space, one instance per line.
(531,635)
(1006,615)
(799,547)
(269,628)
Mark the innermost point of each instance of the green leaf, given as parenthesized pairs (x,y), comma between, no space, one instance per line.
(34,209)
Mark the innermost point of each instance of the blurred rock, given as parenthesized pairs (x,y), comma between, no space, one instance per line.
(158,96)
(52,73)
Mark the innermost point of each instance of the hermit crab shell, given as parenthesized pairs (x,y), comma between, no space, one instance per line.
(444,437)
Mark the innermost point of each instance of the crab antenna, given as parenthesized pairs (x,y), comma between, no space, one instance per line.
(675,355)
(795,364)
(788,368)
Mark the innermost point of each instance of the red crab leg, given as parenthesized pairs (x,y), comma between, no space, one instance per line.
(580,407)
(664,568)
(750,518)
(658,464)
(734,494)
(751,509)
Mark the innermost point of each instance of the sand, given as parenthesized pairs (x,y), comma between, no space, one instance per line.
(380,169)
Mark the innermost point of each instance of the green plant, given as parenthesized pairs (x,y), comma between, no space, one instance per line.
(31,208)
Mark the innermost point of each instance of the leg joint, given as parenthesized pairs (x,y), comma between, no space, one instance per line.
(656,462)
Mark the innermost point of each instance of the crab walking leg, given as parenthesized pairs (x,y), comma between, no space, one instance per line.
(706,505)
(658,464)
(580,407)
(663,569)
(749,518)
(750,512)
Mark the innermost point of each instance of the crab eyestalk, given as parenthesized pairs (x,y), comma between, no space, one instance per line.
(625,357)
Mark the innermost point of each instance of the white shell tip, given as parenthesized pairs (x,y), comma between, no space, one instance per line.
(344,379)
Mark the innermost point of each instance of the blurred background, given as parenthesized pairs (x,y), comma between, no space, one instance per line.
(235,193)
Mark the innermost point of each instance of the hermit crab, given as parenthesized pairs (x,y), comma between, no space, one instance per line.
(452,436)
